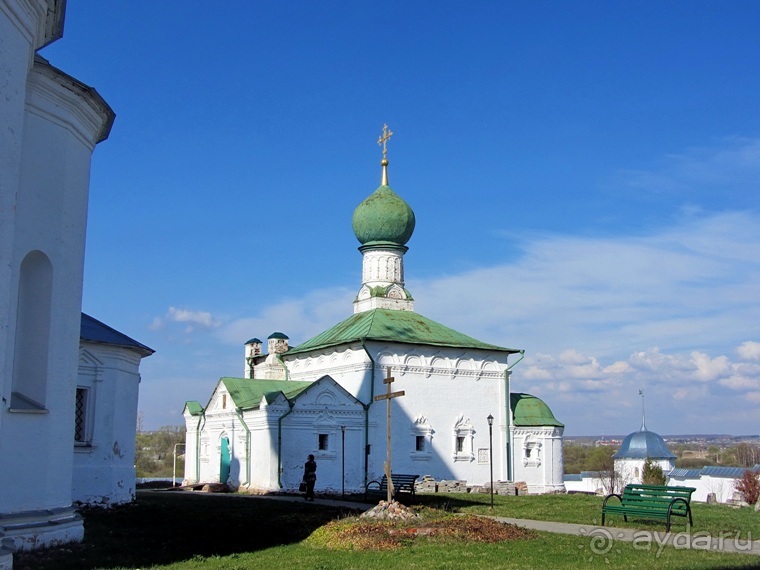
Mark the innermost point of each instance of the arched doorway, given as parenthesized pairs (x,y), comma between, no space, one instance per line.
(224,460)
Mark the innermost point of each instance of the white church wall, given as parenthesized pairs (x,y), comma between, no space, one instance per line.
(315,427)
(538,458)
(320,434)
(50,125)
(349,366)
(104,453)
(264,446)
(447,389)
(20,33)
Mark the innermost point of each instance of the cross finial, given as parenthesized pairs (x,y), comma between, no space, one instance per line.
(643,416)
(383,140)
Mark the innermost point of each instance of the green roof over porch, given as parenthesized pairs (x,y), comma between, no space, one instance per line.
(247,393)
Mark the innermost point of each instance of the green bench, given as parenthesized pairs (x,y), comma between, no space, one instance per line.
(650,501)
(401,484)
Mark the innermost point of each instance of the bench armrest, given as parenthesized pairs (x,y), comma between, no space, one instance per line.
(608,497)
(375,483)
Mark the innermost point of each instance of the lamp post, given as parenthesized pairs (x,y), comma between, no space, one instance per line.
(174,464)
(490,451)
(343,460)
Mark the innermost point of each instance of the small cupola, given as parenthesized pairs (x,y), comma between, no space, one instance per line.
(277,343)
(252,350)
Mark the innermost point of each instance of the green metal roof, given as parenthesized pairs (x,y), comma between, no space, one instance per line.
(384,217)
(393,326)
(194,407)
(246,393)
(531,411)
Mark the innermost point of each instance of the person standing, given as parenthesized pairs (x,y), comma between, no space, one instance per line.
(310,477)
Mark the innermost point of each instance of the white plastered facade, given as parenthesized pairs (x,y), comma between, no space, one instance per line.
(49,126)
(439,427)
(108,383)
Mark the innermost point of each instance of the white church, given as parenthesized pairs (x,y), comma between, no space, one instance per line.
(68,383)
(320,397)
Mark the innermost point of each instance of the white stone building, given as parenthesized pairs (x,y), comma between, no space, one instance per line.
(105,414)
(636,448)
(628,462)
(49,126)
(320,396)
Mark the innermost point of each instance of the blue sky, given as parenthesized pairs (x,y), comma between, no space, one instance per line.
(585,178)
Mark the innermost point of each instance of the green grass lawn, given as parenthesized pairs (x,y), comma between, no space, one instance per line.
(180,530)
(587,509)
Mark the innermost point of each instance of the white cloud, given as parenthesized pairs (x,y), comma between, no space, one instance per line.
(685,392)
(692,286)
(192,319)
(749,350)
(299,319)
(731,166)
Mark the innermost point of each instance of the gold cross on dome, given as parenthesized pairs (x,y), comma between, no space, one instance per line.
(383,140)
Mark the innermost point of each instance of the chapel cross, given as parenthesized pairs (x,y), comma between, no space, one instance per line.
(388,396)
(383,140)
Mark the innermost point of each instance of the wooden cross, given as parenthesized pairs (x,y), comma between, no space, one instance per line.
(383,140)
(388,396)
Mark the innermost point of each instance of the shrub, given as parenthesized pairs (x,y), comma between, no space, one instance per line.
(652,474)
(749,486)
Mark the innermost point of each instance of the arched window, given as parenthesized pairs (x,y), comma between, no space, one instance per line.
(31,351)
(464,433)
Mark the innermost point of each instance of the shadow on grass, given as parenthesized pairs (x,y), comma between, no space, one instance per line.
(172,526)
(442,501)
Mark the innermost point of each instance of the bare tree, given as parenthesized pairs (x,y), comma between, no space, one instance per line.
(747,455)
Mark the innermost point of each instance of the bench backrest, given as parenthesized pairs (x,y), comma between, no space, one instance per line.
(655,495)
(398,480)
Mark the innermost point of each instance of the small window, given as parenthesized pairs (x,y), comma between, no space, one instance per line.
(323,442)
(422,440)
(464,436)
(224,401)
(80,416)
(527,452)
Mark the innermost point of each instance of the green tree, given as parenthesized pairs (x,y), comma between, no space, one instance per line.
(574,457)
(600,458)
(652,474)
(154,451)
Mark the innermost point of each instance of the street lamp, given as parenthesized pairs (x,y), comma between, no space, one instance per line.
(490,451)
(174,464)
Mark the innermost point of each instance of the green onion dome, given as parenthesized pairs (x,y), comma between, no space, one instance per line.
(384,217)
